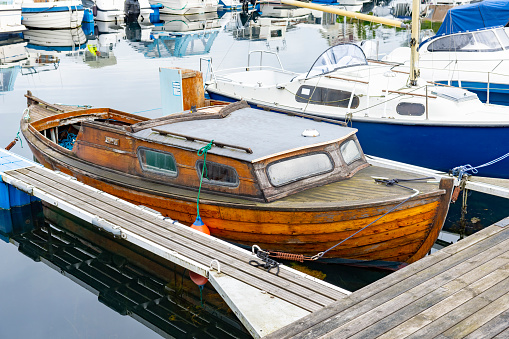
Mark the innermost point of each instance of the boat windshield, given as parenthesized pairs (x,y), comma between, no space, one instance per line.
(481,41)
(339,56)
(504,39)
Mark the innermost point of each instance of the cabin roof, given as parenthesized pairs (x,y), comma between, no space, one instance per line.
(267,134)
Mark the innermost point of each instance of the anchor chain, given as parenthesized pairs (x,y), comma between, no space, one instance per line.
(267,263)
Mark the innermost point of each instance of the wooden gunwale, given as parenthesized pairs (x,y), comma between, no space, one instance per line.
(104,174)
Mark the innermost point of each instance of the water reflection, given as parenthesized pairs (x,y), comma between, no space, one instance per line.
(129,281)
(12,55)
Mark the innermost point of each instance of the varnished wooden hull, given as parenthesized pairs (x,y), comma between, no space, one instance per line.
(404,235)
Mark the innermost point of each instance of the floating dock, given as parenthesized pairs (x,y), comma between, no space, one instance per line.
(461,291)
(263,301)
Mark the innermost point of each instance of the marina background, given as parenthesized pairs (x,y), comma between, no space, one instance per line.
(52,304)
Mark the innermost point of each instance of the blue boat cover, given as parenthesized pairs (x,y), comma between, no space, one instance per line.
(471,17)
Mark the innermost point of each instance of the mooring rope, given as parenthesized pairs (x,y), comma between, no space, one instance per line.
(202,151)
(462,170)
(299,257)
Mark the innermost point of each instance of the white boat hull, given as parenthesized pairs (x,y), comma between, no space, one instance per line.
(53,15)
(10,19)
(56,38)
(13,52)
(187,7)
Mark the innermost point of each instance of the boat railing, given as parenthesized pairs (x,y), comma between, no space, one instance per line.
(490,86)
(262,52)
(221,73)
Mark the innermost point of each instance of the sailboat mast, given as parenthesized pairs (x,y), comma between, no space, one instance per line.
(414,42)
(335,10)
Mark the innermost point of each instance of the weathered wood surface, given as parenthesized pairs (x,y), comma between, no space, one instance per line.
(296,289)
(460,291)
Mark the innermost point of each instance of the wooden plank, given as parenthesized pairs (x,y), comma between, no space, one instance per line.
(314,287)
(391,286)
(259,278)
(503,335)
(492,328)
(459,314)
(423,311)
(480,317)
(370,313)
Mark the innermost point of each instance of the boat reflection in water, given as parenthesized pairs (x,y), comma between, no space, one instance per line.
(180,36)
(131,281)
(13,54)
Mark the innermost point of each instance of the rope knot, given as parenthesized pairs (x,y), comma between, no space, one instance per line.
(205,148)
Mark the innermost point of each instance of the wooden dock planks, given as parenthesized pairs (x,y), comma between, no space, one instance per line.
(293,288)
(460,291)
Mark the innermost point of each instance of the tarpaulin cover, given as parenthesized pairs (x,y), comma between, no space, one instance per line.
(484,14)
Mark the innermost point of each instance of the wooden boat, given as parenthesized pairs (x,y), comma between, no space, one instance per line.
(267,184)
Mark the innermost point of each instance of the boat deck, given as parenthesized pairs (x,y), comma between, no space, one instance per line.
(289,291)
(460,291)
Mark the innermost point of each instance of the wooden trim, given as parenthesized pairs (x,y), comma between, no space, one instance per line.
(438,223)
(31,100)
(402,72)
(346,79)
(414,94)
(303,115)
(330,142)
(218,144)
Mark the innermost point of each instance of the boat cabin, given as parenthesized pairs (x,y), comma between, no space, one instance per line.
(257,155)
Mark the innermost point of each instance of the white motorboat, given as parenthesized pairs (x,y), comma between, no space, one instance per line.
(52,14)
(10,18)
(407,123)
(187,23)
(187,7)
(109,11)
(278,10)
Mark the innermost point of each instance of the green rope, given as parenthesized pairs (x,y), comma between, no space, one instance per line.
(18,137)
(202,151)
(201,294)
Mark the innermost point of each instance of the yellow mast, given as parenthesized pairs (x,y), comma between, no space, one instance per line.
(414,43)
(333,10)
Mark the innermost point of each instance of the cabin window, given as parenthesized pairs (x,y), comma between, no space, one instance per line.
(504,39)
(457,42)
(157,162)
(482,41)
(289,170)
(326,96)
(350,152)
(487,41)
(410,108)
(218,174)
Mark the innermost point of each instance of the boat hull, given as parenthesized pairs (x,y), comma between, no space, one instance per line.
(54,17)
(10,19)
(437,146)
(187,7)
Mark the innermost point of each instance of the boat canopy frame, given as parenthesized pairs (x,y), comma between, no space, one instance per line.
(337,57)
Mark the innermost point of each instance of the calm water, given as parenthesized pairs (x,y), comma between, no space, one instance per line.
(56,295)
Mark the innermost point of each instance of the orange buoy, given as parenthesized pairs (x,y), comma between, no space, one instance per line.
(198,279)
(200,226)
